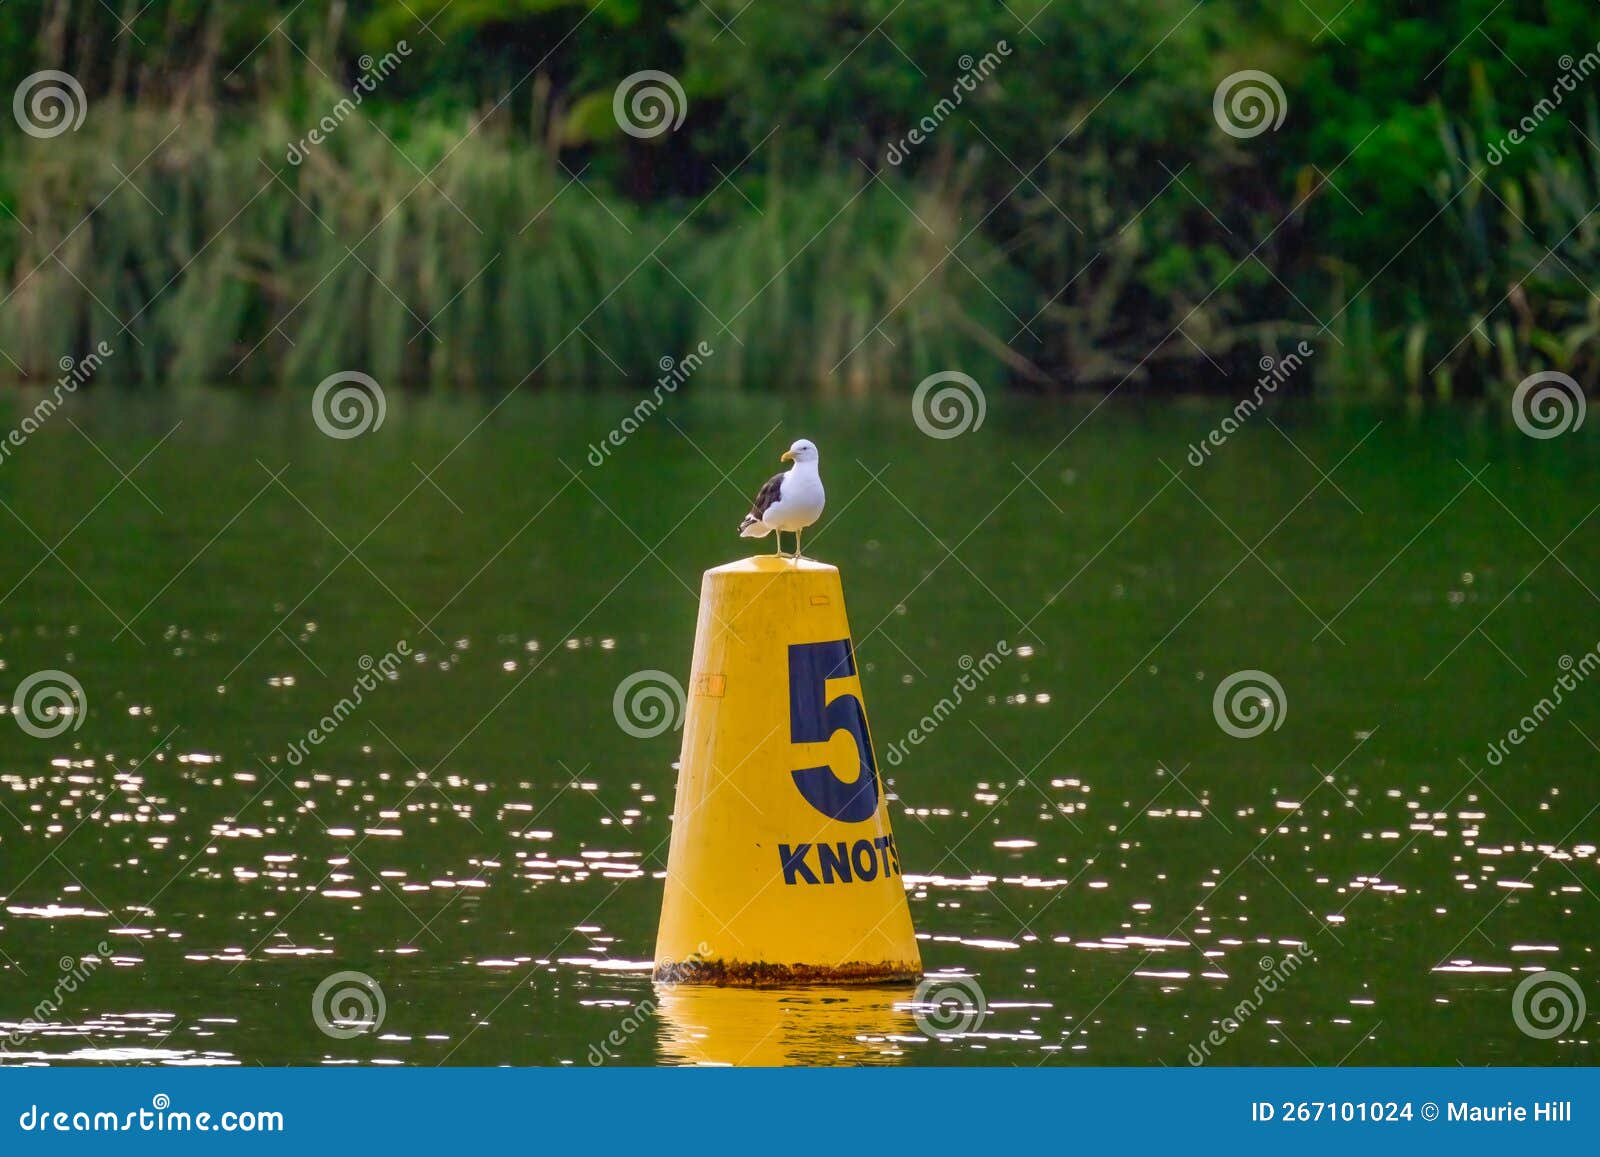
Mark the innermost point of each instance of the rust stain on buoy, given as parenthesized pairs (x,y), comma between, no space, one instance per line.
(764,974)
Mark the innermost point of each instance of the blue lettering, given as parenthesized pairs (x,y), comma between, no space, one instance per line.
(841,862)
(866,869)
(833,860)
(794,863)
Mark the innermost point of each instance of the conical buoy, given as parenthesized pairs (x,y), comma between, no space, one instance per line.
(782,868)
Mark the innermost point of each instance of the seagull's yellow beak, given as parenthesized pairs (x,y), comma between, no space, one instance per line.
(786,456)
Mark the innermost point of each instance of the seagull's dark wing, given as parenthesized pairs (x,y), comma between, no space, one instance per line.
(767,496)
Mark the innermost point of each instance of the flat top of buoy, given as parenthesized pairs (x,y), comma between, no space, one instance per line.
(771,564)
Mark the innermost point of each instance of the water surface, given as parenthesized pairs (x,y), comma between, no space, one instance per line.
(1084,844)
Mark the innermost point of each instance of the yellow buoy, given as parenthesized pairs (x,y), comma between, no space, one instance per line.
(782,868)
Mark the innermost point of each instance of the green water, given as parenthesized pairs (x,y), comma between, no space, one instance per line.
(1083,842)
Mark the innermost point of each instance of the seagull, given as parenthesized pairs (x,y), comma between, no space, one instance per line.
(789,501)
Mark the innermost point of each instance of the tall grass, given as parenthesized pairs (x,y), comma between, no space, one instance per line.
(847,280)
(435,253)
(445,257)
(1513,288)
(436,259)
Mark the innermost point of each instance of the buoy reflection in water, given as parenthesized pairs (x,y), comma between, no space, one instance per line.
(703,1024)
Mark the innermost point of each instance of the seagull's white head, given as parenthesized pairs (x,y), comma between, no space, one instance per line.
(801,451)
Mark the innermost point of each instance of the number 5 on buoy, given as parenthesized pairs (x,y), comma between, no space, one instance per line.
(814,718)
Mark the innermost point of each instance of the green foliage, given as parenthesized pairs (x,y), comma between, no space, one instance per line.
(845,279)
(1071,215)
(237,268)
(450,262)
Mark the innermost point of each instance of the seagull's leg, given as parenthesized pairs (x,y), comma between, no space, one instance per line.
(797,546)
(778,538)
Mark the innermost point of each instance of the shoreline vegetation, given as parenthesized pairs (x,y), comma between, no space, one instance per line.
(445,200)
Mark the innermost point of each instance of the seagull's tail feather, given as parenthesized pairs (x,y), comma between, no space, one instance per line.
(753,527)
